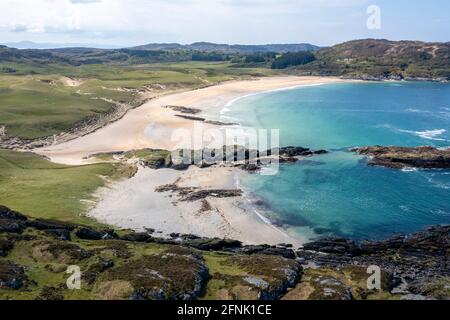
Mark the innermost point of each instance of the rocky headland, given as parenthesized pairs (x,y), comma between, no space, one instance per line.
(404,157)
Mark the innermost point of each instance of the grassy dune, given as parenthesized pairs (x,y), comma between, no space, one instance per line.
(31,184)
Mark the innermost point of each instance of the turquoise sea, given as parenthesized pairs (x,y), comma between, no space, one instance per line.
(338,194)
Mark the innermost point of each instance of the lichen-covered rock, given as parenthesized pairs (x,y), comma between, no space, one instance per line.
(175,274)
(264,277)
(433,287)
(12,276)
(328,288)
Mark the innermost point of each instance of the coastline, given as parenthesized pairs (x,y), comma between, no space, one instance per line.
(151,125)
(134,204)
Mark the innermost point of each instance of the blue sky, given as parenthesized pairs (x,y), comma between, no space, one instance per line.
(130,22)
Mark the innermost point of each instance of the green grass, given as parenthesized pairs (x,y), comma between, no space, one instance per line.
(41,189)
(35,103)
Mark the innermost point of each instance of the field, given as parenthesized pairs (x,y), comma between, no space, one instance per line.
(43,100)
(42,189)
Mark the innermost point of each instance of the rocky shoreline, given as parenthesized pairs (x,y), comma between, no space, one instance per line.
(237,156)
(120,264)
(403,157)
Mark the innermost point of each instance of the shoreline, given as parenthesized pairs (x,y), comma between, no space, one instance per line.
(150,125)
(134,204)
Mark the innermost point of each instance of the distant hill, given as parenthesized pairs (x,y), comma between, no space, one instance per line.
(383,59)
(361,59)
(226,48)
(36,45)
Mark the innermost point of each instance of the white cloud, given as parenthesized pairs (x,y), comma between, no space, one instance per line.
(141,21)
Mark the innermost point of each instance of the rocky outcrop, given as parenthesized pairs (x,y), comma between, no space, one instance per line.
(12,276)
(6,213)
(195,194)
(412,261)
(185,110)
(182,159)
(402,157)
(176,274)
(256,277)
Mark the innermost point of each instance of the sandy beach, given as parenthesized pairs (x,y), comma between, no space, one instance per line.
(134,204)
(151,125)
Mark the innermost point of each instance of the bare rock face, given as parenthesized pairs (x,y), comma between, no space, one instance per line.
(403,157)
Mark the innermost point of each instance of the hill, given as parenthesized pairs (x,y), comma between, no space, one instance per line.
(383,59)
(226,48)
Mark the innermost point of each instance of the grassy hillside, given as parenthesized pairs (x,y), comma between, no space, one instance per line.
(383,59)
(40,100)
(32,184)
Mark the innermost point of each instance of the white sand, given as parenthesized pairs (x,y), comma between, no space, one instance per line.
(152,126)
(135,205)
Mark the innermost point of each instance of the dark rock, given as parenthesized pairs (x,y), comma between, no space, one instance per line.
(202,194)
(43,224)
(250,167)
(213,244)
(59,234)
(12,276)
(8,214)
(267,250)
(184,109)
(89,234)
(136,237)
(402,157)
(334,245)
(290,152)
(193,118)
(319,152)
(6,245)
(12,226)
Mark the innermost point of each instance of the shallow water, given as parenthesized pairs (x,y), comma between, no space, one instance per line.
(338,194)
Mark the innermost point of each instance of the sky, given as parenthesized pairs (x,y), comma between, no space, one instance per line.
(134,22)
